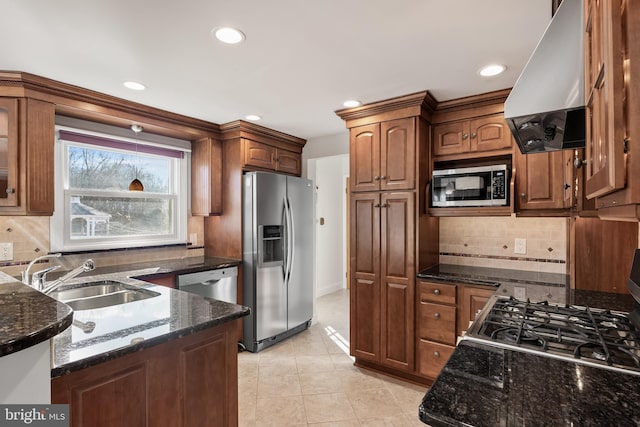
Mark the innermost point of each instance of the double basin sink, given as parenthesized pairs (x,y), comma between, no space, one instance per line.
(104,293)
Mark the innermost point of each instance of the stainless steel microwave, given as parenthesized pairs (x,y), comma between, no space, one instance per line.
(475,186)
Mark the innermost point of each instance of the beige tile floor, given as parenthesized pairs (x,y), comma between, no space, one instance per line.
(310,380)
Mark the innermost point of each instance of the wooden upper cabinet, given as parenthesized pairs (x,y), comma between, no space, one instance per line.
(8,152)
(259,155)
(267,157)
(364,158)
(383,156)
(398,154)
(605,56)
(486,133)
(451,138)
(206,177)
(27,138)
(288,162)
(544,180)
(489,133)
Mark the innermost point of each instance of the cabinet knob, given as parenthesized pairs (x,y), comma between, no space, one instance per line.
(523,195)
(566,186)
(376,178)
(377,205)
(436,291)
(436,315)
(436,354)
(382,178)
(473,134)
(11,190)
(465,136)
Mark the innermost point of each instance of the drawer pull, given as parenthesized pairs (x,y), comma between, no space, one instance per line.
(436,291)
(436,315)
(436,354)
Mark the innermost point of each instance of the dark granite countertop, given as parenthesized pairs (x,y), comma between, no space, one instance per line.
(126,328)
(483,385)
(28,317)
(489,276)
(164,266)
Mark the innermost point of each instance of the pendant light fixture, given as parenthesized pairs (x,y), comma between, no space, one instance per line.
(136,184)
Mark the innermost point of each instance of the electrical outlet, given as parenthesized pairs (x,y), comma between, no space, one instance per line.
(6,251)
(520,246)
(519,293)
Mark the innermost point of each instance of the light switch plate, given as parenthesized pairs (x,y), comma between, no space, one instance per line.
(6,251)
(520,246)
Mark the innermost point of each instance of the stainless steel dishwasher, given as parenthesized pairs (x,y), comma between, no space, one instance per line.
(220,284)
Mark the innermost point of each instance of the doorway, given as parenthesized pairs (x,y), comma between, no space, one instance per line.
(329,176)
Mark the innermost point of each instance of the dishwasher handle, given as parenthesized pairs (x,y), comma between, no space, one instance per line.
(207,277)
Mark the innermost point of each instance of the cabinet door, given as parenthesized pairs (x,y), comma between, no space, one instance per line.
(489,133)
(8,152)
(606,133)
(397,257)
(364,158)
(288,162)
(365,276)
(259,155)
(398,154)
(451,138)
(541,180)
(206,177)
(472,301)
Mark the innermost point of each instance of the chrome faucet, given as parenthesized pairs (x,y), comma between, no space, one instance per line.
(24,276)
(88,265)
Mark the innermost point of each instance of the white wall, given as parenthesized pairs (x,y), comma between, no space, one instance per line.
(325,146)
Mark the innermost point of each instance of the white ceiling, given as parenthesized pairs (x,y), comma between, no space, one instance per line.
(301,59)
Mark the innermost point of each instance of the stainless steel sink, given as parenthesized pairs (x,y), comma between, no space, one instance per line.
(101,294)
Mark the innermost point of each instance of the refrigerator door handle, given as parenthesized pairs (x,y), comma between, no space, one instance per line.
(291,239)
(285,241)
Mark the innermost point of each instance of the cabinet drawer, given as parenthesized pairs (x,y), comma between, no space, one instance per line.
(437,322)
(437,292)
(432,357)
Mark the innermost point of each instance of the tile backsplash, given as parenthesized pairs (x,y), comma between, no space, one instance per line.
(30,238)
(490,241)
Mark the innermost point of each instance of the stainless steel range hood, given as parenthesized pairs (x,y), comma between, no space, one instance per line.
(546,107)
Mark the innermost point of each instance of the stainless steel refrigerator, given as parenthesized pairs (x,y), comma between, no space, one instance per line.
(277,233)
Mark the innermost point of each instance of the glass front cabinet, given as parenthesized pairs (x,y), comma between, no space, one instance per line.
(8,152)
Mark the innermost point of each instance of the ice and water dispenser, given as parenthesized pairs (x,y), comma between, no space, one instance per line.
(271,245)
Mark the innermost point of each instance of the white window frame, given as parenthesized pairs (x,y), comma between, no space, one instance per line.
(60,224)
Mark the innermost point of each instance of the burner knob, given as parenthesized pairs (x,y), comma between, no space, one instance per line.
(436,315)
(436,291)
(436,354)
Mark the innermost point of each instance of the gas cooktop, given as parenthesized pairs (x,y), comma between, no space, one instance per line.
(591,336)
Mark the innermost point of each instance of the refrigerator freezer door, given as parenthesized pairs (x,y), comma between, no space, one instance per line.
(266,282)
(300,286)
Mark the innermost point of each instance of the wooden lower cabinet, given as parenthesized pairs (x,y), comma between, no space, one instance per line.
(382,278)
(443,312)
(471,301)
(167,280)
(189,381)
(432,357)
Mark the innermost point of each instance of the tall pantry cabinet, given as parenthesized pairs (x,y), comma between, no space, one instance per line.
(391,237)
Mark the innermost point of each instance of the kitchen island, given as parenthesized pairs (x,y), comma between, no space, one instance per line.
(485,385)
(168,359)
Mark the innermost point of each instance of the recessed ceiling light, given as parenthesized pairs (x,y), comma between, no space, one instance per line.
(352,103)
(252,117)
(492,70)
(228,35)
(134,85)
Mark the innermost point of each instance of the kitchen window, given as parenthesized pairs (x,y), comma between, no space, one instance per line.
(94,208)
